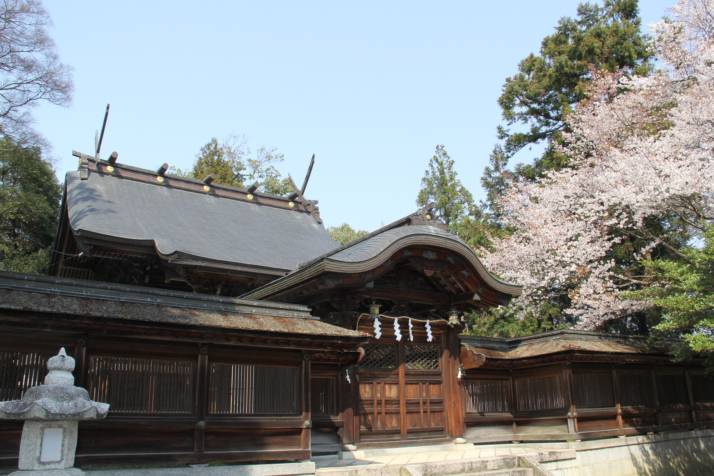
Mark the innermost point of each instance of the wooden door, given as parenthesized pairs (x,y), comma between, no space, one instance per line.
(401,392)
(424,409)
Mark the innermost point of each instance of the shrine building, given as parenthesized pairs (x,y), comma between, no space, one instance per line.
(226,325)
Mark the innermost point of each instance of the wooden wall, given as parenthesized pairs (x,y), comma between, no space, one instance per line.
(166,406)
(569,401)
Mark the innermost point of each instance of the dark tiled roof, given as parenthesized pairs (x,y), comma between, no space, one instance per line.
(61,296)
(189,227)
(367,249)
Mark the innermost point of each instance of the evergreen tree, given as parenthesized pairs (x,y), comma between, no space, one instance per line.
(442,188)
(232,164)
(452,202)
(29,206)
(345,234)
(221,162)
(683,290)
(548,85)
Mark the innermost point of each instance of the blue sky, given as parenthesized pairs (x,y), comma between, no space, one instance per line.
(369,87)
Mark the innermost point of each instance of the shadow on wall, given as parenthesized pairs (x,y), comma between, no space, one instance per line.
(690,456)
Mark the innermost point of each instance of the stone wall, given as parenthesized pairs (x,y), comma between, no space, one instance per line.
(663,454)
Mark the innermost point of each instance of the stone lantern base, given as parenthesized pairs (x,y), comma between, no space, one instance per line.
(47,445)
(49,472)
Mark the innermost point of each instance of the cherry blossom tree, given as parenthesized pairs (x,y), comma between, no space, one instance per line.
(640,151)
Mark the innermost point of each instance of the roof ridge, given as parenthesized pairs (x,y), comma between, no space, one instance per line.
(139,174)
(404,221)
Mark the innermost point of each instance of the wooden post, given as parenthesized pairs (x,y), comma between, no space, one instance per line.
(572,416)
(455,414)
(402,393)
(653,377)
(199,433)
(514,410)
(618,402)
(80,356)
(690,395)
(305,435)
(347,402)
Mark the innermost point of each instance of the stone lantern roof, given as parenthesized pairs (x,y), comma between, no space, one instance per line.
(57,399)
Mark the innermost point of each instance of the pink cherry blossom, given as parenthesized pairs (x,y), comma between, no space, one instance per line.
(640,148)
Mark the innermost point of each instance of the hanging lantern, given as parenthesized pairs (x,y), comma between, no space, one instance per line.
(429,335)
(397,330)
(411,334)
(453,317)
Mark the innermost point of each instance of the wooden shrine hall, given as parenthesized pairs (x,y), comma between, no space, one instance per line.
(225,325)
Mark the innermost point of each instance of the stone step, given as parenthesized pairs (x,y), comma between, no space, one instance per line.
(502,472)
(498,466)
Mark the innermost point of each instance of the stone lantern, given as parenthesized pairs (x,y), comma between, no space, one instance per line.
(51,413)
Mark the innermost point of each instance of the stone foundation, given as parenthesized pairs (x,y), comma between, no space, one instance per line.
(664,454)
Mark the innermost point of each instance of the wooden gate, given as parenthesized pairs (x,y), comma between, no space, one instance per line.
(401,391)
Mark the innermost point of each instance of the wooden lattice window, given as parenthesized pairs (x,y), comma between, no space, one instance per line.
(421,356)
(593,389)
(379,357)
(248,389)
(20,371)
(142,385)
(488,396)
(540,392)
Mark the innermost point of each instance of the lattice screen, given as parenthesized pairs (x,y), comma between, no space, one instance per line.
(488,396)
(422,356)
(142,385)
(379,356)
(20,371)
(247,389)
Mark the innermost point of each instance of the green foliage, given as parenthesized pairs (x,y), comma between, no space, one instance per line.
(509,321)
(477,231)
(549,84)
(452,202)
(344,233)
(29,207)
(536,102)
(442,188)
(233,164)
(221,161)
(683,290)
(495,179)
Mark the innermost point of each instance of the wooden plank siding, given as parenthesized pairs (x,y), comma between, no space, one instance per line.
(174,402)
(574,401)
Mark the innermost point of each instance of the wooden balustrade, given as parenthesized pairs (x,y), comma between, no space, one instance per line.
(572,402)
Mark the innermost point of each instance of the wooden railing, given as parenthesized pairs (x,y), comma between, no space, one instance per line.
(573,402)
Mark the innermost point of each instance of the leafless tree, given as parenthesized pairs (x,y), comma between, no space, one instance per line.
(30,69)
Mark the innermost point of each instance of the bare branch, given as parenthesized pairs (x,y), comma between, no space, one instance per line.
(30,70)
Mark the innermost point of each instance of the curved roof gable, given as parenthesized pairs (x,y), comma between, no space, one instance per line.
(370,252)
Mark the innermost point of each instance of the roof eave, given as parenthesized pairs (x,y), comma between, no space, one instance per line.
(328,265)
